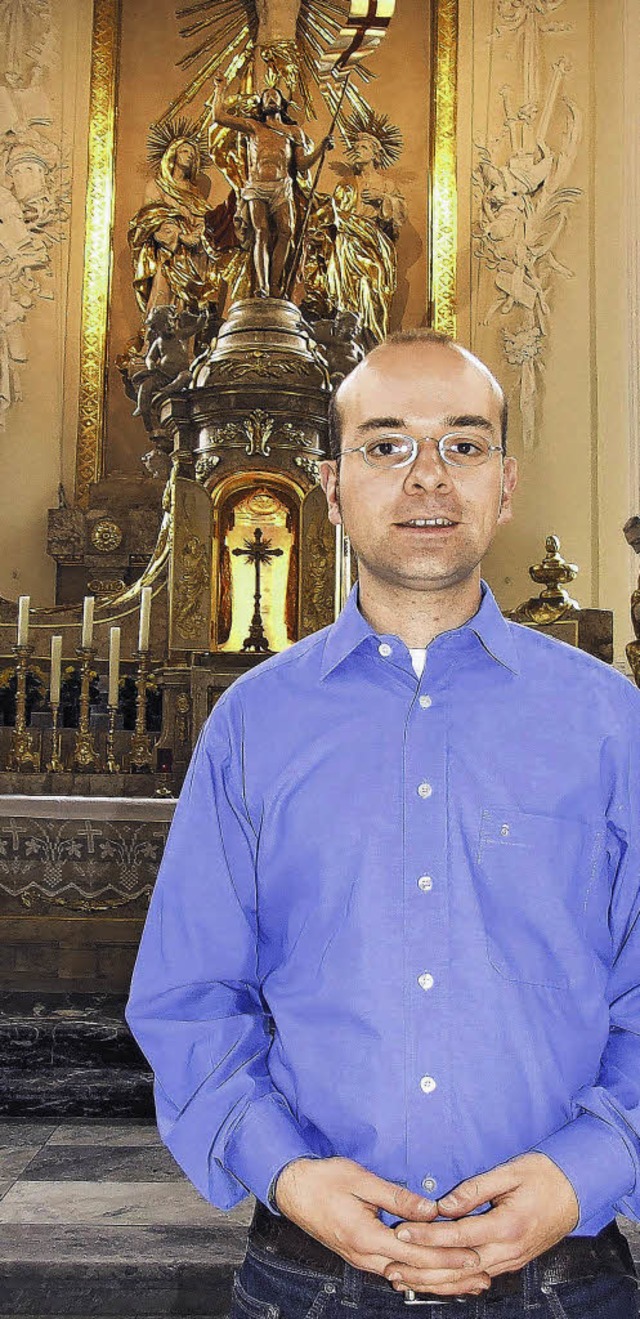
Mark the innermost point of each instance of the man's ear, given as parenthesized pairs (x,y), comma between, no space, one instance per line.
(509,483)
(328,480)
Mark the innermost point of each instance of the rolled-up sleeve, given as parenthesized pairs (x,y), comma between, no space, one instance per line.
(599,1149)
(195,1006)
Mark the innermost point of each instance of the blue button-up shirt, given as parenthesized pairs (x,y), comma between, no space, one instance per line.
(398,918)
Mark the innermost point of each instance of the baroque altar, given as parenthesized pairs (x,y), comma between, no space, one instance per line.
(245,312)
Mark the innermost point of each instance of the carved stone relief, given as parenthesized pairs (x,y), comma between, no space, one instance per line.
(34,183)
(522,178)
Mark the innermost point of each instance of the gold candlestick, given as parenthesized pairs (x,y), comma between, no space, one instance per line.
(112,766)
(21,752)
(55,765)
(141,752)
(85,759)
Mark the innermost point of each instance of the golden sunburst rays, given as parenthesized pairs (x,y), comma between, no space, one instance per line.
(223,36)
(223,18)
(379,126)
(361,34)
(233,59)
(341,52)
(161,136)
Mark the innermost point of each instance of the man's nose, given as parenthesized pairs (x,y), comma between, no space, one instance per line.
(428,468)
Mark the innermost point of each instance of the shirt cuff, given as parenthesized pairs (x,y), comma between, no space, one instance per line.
(271,1196)
(595,1158)
(265,1139)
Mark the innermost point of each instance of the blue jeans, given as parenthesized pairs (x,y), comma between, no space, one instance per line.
(266,1286)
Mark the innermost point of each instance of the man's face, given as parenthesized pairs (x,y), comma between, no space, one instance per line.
(419,389)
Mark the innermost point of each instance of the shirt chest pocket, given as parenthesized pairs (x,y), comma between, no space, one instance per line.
(534,874)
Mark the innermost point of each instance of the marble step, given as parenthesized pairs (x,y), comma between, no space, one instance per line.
(64,1092)
(70,1055)
(61,1032)
(80,1043)
(80,1270)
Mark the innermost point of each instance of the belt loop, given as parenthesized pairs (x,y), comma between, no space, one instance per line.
(353,1284)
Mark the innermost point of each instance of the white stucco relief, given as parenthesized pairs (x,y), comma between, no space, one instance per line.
(34,185)
(522,181)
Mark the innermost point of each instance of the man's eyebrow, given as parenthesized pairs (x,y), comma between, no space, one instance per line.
(377,423)
(461,420)
(469,419)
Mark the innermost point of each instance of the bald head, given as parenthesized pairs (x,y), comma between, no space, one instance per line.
(423,340)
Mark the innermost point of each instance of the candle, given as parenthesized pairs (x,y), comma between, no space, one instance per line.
(87,620)
(145,613)
(114,664)
(23,619)
(56,663)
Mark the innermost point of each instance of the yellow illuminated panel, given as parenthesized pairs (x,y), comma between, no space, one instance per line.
(259,508)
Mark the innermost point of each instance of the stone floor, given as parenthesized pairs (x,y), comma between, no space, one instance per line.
(97,1219)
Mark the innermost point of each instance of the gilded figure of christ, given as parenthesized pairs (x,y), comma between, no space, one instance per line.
(276,152)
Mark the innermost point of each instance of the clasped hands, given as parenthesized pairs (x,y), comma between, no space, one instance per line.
(336,1200)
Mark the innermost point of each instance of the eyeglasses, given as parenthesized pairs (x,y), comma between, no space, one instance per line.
(460,448)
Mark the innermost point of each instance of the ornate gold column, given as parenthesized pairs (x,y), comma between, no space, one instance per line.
(97,253)
(443,195)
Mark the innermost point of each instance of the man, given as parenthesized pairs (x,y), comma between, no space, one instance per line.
(409,846)
(274,144)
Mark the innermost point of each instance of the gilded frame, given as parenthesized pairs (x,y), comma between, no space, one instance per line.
(442,213)
(99,210)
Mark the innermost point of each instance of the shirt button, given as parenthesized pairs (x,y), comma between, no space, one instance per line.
(427,1084)
(429,1183)
(425,980)
(384,648)
(425,882)
(425,702)
(424,789)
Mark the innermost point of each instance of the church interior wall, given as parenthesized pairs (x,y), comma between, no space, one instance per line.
(578,478)
(38,430)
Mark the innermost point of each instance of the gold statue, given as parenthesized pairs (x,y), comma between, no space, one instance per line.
(369,213)
(171,263)
(275,148)
(373,145)
(361,273)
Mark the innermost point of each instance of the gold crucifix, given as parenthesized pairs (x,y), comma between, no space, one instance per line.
(257,552)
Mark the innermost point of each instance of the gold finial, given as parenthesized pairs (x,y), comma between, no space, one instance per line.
(553,603)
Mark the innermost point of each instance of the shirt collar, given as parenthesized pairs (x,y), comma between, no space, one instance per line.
(489,624)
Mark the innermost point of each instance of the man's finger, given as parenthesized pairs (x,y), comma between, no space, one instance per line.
(395,1199)
(443,1281)
(444,1258)
(479,1190)
(489,1228)
(375,1239)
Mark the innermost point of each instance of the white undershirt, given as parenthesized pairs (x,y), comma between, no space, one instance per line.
(418,656)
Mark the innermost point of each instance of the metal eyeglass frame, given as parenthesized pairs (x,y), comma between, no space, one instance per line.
(398,435)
